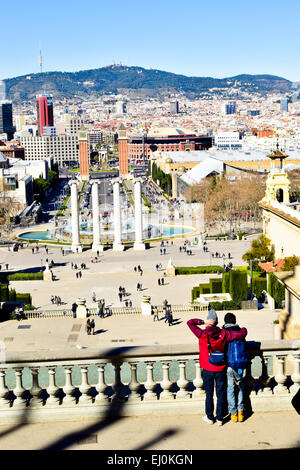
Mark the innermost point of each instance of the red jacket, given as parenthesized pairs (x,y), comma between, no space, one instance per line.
(218,338)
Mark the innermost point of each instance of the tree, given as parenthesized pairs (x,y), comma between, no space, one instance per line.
(290,262)
(260,248)
(40,187)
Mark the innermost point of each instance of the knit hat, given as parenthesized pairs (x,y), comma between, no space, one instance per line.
(212,315)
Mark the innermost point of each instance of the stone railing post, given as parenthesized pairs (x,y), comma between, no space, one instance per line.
(280,377)
(182,382)
(101,385)
(166,383)
(149,384)
(52,389)
(84,388)
(19,390)
(198,382)
(3,390)
(118,386)
(68,388)
(35,390)
(296,374)
(264,379)
(133,385)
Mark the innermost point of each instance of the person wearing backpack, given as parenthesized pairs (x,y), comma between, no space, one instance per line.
(212,343)
(237,360)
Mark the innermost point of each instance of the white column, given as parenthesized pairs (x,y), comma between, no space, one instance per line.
(96,217)
(117,246)
(76,247)
(138,216)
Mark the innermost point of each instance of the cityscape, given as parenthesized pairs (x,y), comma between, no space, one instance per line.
(134,199)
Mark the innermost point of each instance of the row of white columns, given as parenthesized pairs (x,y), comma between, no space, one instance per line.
(117,244)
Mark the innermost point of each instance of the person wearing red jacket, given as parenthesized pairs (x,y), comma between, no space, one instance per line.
(213,375)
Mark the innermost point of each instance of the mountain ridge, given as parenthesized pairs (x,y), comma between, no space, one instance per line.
(113,78)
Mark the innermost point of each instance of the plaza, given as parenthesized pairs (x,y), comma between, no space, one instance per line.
(115,269)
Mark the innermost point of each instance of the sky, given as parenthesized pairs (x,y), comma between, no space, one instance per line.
(216,38)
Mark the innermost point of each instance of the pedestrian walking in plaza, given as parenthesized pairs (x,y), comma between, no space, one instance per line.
(155,314)
(158,281)
(92,325)
(213,339)
(74,308)
(94,297)
(88,326)
(52,299)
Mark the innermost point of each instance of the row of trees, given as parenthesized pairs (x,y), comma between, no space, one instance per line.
(230,203)
(165,180)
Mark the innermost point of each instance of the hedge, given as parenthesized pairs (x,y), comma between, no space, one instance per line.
(24,298)
(199,270)
(4,293)
(276,290)
(25,276)
(226,305)
(215,286)
(258,285)
(238,286)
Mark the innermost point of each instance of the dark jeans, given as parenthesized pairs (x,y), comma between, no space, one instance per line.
(210,379)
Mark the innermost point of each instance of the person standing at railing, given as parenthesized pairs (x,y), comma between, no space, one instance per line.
(236,372)
(213,339)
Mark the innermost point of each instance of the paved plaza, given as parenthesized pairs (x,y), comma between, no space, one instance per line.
(116,269)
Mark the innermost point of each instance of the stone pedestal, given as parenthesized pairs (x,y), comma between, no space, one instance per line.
(81,311)
(47,275)
(146,305)
(170,269)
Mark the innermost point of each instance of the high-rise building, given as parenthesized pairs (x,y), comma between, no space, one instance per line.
(6,119)
(253,112)
(44,105)
(229,108)
(284,104)
(120,107)
(2,91)
(174,107)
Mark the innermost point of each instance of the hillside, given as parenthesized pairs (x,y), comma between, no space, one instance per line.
(88,83)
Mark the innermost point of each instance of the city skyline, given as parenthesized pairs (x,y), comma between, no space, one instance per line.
(215,40)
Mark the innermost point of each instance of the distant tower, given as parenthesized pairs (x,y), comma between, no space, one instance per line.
(174,107)
(41,61)
(83,154)
(44,106)
(284,104)
(278,183)
(2,91)
(123,150)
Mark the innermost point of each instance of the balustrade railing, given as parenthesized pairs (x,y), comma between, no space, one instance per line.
(108,311)
(137,380)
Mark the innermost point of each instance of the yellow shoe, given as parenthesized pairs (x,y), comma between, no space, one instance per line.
(234,418)
(241,416)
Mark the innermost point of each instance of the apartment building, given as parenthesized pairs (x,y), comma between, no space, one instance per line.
(63,148)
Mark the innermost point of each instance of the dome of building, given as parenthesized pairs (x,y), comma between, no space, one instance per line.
(169,160)
(181,169)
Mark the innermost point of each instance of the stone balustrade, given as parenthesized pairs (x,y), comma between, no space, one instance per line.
(108,311)
(134,381)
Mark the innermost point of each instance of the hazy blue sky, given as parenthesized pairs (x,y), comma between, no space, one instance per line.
(217,38)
